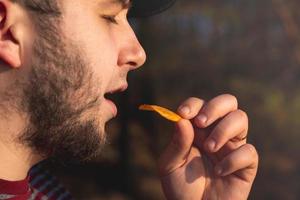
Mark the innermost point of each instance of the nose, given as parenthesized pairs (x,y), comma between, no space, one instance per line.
(131,52)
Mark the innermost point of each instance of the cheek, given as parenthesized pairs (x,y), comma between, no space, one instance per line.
(103,60)
(97,41)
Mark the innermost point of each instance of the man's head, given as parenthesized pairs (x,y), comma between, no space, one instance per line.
(58,60)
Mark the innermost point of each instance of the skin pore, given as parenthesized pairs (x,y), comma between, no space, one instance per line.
(63,75)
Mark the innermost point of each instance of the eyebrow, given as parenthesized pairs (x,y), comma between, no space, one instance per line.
(124,3)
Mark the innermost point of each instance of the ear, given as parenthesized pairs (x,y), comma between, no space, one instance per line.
(9,45)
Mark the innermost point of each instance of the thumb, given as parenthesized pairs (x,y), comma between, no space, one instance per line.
(178,149)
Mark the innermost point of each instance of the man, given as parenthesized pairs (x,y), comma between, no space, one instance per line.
(60,59)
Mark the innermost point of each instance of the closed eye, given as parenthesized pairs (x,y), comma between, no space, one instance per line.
(110,18)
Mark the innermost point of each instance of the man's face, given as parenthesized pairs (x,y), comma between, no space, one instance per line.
(74,64)
(110,49)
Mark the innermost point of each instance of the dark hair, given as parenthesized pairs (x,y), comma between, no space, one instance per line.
(40,7)
(45,15)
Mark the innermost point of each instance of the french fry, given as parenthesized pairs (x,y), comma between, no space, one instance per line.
(162,111)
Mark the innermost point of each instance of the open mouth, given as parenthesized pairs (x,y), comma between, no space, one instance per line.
(114,96)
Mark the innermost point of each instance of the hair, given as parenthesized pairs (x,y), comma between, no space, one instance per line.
(45,15)
(40,7)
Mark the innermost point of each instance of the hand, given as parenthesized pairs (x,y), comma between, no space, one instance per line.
(208,157)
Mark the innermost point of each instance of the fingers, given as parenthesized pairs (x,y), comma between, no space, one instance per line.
(215,109)
(233,127)
(190,107)
(177,151)
(243,161)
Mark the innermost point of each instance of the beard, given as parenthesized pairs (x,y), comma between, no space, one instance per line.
(61,99)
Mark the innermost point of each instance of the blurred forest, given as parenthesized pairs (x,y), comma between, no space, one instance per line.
(204,48)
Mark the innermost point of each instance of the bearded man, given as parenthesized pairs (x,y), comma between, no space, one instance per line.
(59,59)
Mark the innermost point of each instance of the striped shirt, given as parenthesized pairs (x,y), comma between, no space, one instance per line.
(39,185)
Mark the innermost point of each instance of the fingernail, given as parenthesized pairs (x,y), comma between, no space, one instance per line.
(185,110)
(218,170)
(202,119)
(211,144)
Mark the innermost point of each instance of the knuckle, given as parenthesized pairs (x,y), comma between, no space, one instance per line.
(229,163)
(242,114)
(251,150)
(211,107)
(193,99)
(244,122)
(219,132)
(195,102)
(232,98)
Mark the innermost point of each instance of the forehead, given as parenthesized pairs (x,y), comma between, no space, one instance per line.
(124,3)
(103,4)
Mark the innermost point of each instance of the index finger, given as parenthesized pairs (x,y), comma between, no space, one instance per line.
(190,107)
(215,109)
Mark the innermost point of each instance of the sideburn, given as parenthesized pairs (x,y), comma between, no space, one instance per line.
(58,73)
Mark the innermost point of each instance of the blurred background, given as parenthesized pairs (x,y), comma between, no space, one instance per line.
(204,48)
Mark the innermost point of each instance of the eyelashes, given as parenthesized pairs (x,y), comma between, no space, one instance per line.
(110,18)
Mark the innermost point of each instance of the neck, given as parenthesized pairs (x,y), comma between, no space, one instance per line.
(15,162)
(15,159)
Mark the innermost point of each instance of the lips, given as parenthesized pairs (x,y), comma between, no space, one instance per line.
(112,106)
(108,96)
(118,89)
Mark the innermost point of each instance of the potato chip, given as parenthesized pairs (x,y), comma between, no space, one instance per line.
(162,111)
